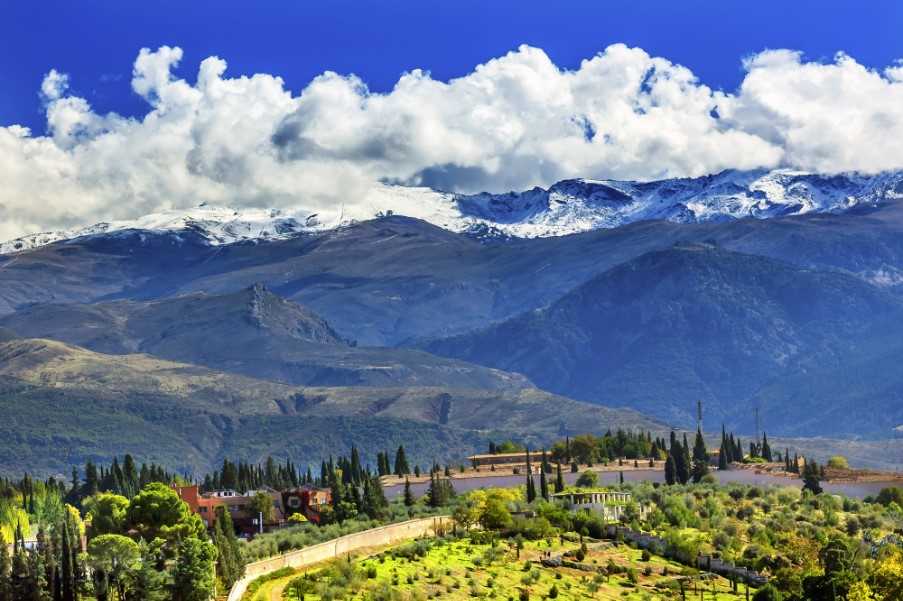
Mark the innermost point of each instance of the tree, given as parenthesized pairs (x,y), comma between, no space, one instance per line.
(408,495)
(157,511)
(230,563)
(113,557)
(192,575)
(401,462)
(531,486)
(700,458)
(838,462)
(543,485)
(68,577)
(685,465)
(262,505)
(812,478)
(20,581)
(670,470)
(495,515)
(559,478)
(588,479)
(6,593)
(768,593)
(766,449)
(722,457)
(146,581)
(107,513)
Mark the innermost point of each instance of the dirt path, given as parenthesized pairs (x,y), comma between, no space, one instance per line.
(278,588)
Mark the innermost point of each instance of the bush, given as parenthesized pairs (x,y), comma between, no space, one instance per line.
(588,479)
(646,556)
(553,592)
(838,462)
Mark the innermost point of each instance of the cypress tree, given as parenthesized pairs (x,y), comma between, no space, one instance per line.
(670,469)
(559,478)
(408,495)
(766,449)
(700,458)
(531,486)
(67,568)
(686,463)
(722,456)
(6,592)
(543,485)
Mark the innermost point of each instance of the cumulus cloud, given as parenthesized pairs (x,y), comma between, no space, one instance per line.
(514,122)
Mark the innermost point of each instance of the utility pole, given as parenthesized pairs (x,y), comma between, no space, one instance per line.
(758,429)
(699,415)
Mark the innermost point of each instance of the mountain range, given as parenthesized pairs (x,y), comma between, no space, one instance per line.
(544,312)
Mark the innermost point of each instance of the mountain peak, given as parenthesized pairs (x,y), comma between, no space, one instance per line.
(567,207)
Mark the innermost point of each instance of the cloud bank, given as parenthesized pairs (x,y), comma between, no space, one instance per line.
(512,123)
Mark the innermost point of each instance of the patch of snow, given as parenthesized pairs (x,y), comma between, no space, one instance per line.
(568,207)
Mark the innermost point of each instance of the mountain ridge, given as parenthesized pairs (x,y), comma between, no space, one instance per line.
(697,322)
(566,207)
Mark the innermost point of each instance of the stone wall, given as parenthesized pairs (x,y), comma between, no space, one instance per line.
(337,547)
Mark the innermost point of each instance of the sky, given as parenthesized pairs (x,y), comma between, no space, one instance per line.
(112,110)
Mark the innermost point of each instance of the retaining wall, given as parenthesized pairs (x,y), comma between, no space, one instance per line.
(376,537)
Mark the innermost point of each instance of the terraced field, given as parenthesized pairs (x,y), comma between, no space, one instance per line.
(462,568)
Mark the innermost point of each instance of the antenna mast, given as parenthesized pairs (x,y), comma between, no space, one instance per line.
(758,429)
(699,415)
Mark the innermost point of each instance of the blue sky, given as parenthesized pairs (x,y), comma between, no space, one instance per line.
(95,42)
(116,110)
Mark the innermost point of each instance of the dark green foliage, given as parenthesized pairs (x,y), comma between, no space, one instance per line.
(812,478)
(409,499)
(229,561)
(700,458)
(670,470)
(192,578)
(401,462)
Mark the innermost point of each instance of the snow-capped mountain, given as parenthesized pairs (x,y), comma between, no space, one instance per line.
(218,225)
(568,207)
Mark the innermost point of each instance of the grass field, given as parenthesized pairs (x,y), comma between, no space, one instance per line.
(460,569)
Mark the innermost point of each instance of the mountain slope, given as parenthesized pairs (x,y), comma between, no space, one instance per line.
(64,404)
(252,332)
(390,280)
(693,322)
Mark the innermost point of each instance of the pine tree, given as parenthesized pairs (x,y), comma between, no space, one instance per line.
(559,479)
(147,582)
(723,456)
(401,462)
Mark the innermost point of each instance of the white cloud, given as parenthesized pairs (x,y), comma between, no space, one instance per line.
(514,122)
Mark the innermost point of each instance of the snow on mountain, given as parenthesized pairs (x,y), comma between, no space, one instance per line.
(568,207)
